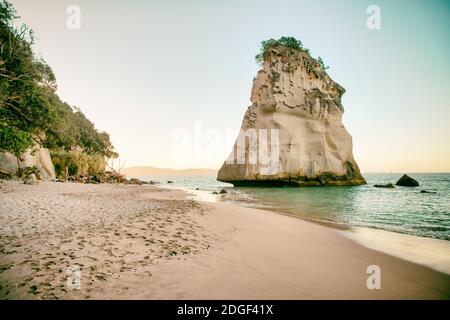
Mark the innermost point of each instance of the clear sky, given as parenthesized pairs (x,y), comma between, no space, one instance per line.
(144,70)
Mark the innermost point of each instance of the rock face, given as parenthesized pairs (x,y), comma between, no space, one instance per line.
(407,181)
(293,128)
(35,156)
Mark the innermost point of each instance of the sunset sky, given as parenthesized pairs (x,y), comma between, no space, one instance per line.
(146,70)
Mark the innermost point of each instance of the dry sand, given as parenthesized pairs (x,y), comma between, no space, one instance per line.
(144,242)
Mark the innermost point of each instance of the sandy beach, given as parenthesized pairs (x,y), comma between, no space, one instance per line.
(146,242)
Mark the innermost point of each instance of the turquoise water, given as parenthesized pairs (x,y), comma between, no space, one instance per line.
(402,209)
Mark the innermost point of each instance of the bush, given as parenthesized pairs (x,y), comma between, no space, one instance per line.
(289,42)
(14,140)
(322,64)
(25,172)
(77,162)
(72,169)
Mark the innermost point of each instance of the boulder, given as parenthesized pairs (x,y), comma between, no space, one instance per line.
(135,181)
(407,181)
(37,156)
(31,179)
(292,134)
(223,191)
(5,175)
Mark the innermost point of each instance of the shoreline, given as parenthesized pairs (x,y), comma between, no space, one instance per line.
(147,242)
(263,260)
(429,252)
(426,251)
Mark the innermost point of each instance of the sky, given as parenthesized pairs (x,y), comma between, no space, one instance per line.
(170,80)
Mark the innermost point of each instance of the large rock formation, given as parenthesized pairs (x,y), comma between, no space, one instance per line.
(36,156)
(309,146)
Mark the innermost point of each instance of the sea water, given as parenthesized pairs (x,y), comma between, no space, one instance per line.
(401,209)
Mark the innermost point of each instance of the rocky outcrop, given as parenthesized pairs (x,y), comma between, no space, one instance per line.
(292,134)
(36,156)
(407,181)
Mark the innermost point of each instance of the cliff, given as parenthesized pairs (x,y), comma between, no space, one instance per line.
(296,114)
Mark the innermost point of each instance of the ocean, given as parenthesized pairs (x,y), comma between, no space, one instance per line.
(402,209)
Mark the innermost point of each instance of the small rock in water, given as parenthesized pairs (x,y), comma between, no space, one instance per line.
(197,188)
(426,191)
(169,181)
(407,181)
(223,191)
(215,192)
(389,185)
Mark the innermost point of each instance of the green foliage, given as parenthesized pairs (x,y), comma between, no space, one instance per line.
(29,105)
(322,64)
(71,129)
(76,163)
(289,42)
(14,140)
(25,172)
(72,169)
(25,82)
(7,12)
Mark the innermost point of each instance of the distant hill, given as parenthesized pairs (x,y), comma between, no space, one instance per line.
(152,171)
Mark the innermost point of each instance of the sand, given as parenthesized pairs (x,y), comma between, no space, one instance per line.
(145,242)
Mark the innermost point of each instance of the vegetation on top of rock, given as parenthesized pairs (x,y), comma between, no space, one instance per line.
(322,64)
(289,42)
(30,109)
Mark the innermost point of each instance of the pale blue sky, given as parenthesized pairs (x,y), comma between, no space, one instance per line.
(143,69)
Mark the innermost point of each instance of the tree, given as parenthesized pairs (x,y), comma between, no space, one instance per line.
(30,109)
(24,81)
(116,166)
